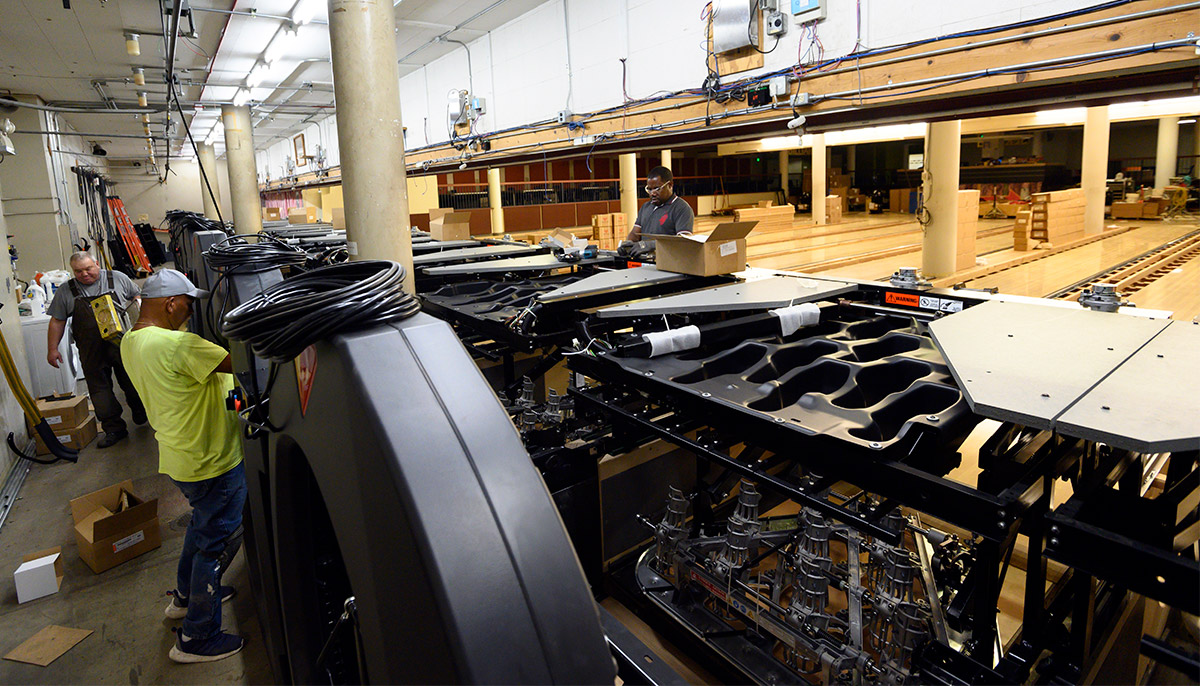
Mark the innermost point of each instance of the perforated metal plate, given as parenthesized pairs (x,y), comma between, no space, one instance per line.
(1151,403)
(473,253)
(613,280)
(533,263)
(1055,368)
(769,292)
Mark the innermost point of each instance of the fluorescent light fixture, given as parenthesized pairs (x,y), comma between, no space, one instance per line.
(876,134)
(281,44)
(1070,115)
(257,74)
(132,47)
(1187,121)
(305,11)
(241,97)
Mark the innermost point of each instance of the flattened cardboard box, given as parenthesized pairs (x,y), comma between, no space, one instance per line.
(339,218)
(721,252)
(452,226)
(107,537)
(76,437)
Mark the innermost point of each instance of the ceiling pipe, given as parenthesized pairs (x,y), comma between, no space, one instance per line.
(74,110)
(253,15)
(442,37)
(141,136)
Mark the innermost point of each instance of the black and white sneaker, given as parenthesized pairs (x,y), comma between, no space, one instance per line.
(222,645)
(177,608)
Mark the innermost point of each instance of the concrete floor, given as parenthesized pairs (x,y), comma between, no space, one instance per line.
(124,605)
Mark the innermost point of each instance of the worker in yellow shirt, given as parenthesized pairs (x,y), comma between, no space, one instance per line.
(183,380)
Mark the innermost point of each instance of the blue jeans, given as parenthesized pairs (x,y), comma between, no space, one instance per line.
(216,515)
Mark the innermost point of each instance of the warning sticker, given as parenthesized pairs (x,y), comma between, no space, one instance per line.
(906,299)
(306,371)
(712,588)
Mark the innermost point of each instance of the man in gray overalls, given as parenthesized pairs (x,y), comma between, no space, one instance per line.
(100,358)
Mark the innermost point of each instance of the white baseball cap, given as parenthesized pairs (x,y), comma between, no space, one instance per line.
(166,283)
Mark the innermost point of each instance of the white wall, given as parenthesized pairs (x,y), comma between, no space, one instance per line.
(521,67)
(181,191)
(272,162)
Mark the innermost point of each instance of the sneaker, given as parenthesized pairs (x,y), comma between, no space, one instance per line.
(219,647)
(112,438)
(177,608)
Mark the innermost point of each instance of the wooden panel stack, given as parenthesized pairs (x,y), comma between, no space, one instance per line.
(1057,217)
(1021,240)
(968,225)
(608,230)
(833,209)
(769,218)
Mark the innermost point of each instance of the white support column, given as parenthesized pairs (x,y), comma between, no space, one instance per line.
(207,160)
(629,181)
(783,173)
(494,201)
(1095,168)
(1168,152)
(666,160)
(818,178)
(366,84)
(1196,148)
(243,174)
(942,156)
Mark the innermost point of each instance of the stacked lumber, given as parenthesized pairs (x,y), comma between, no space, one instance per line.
(1021,239)
(608,230)
(769,218)
(968,225)
(834,206)
(1057,217)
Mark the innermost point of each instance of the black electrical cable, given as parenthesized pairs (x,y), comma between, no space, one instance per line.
(286,318)
(235,255)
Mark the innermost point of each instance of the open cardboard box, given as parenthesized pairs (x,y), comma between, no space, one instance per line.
(108,535)
(452,226)
(721,252)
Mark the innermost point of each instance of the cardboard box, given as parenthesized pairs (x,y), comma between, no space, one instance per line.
(39,575)
(303,215)
(721,252)
(76,437)
(63,411)
(1127,210)
(602,220)
(339,218)
(451,226)
(272,214)
(108,535)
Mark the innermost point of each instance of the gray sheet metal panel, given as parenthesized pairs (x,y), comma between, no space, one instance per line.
(1028,363)
(612,280)
(445,245)
(533,263)
(472,253)
(770,292)
(1149,404)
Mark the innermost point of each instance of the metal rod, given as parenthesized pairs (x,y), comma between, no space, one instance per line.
(252,15)
(89,135)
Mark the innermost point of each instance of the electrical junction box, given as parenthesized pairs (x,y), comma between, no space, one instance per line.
(779,87)
(776,24)
(564,116)
(805,11)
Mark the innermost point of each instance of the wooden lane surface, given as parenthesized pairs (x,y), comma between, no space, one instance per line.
(1178,291)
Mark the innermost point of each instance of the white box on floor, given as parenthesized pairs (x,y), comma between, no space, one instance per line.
(39,575)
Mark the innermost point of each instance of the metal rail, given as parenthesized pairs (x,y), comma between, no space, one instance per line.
(1138,272)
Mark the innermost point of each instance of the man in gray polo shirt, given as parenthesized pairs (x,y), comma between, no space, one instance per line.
(100,358)
(666,214)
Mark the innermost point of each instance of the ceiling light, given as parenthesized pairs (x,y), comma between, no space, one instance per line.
(305,11)
(131,44)
(139,76)
(257,74)
(1187,121)
(241,97)
(142,101)
(280,44)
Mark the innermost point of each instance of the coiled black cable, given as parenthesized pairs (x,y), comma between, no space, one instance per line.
(286,318)
(235,255)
